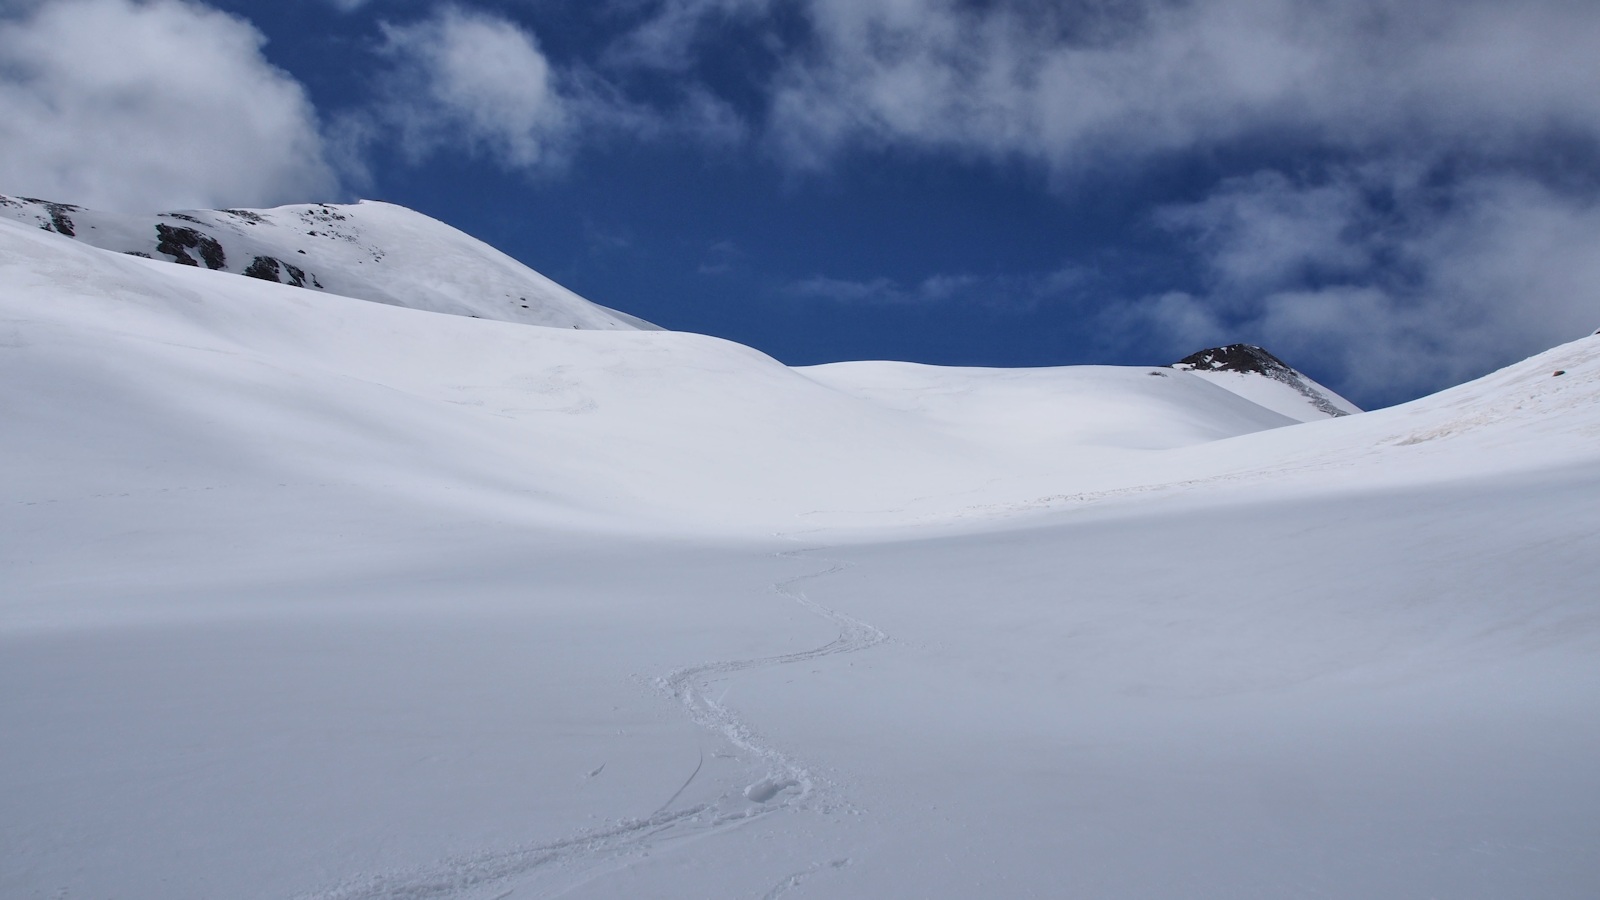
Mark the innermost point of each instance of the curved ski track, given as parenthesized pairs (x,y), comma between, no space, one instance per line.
(574,860)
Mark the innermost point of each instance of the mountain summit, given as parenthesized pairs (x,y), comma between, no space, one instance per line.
(1256,374)
(367,250)
(1237,358)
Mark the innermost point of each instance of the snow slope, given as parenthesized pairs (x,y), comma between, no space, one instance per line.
(310,597)
(1257,375)
(1055,410)
(372,251)
(628,424)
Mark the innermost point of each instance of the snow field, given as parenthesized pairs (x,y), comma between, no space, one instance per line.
(305,596)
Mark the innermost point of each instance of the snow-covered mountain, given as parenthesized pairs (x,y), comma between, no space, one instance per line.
(1254,373)
(310,597)
(627,422)
(368,250)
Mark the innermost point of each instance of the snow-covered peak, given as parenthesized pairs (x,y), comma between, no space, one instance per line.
(368,250)
(1257,375)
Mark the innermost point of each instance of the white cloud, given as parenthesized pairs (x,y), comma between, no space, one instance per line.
(1263,231)
(479,80)
(1073,88)
(150,105)
(1371,256)
(721,258)
(1005,292)
(1390,282)
(468,79)
(843,290)
(669,37)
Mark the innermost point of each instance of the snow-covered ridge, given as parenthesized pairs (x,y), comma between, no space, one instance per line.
(679,430)
(625,423)
(1256,374)
(367,250)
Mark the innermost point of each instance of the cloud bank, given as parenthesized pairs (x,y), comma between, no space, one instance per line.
(1403,194)
(1396,194)
(150,105)
(1078,87)
(1407,193)
(1397,283)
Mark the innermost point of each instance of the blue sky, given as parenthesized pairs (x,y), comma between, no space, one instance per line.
(1394,196)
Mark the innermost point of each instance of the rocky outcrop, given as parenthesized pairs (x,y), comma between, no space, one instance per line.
(176,242)
(270,268)
(1252,360)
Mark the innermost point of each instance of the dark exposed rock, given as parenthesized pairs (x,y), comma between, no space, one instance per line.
(265,268)
(187,245)
(172,242)
(270,268)
(211,252)
(59,222)
(59,219)
(1252,360)
(176,242)
(1235,358)
(324,213)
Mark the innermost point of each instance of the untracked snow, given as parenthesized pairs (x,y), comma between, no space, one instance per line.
(303,596)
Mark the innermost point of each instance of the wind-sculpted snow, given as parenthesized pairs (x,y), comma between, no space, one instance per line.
(307,596)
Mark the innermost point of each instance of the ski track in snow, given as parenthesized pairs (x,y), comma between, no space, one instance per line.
(785,776)
(572,861)
(799,878)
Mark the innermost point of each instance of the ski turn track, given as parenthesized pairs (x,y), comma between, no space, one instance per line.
(554,868)
(786,779)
